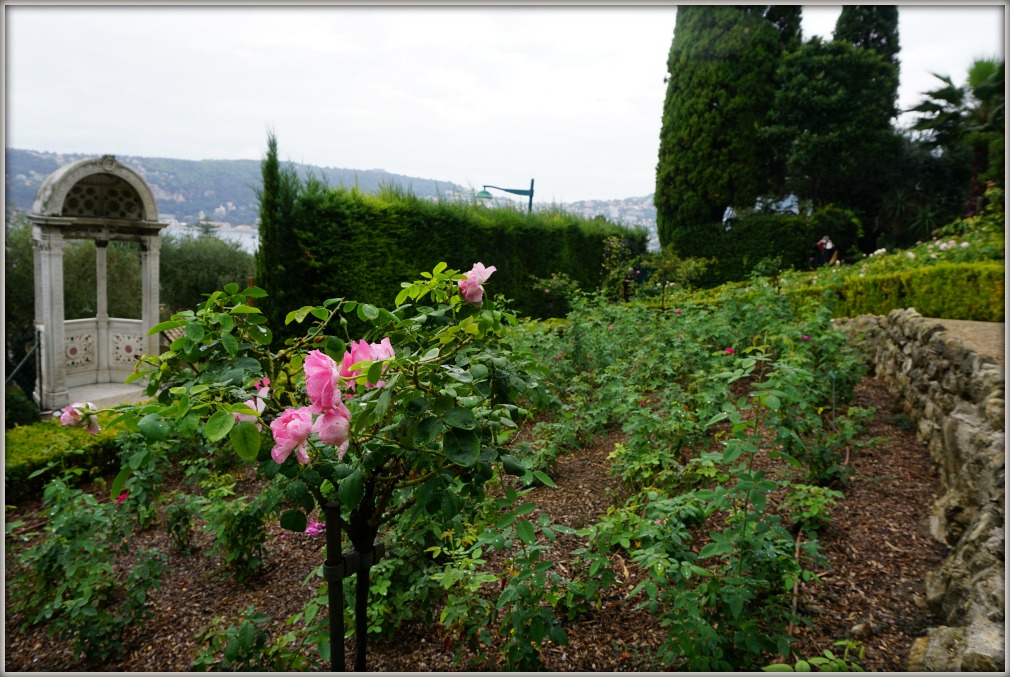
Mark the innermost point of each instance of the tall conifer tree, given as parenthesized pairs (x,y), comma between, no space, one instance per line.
(721,67)
(279,253)
(870,27)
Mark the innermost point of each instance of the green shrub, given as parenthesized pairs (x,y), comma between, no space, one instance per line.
(33,448)
(68,579)
(961,291)
(19,409)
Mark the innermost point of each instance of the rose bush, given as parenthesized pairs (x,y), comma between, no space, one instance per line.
(410,418)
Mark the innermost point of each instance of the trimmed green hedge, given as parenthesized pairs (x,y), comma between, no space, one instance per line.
(32,447)
(955,291)
(361,246)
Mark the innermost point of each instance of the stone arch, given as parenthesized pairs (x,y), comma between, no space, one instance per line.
(103,200)
(106,176)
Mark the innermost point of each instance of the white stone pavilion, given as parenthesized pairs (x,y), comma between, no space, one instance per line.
(89,359)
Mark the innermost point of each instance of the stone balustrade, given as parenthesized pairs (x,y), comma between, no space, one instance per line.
(957,400)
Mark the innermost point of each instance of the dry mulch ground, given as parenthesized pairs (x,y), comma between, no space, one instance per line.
(878,547)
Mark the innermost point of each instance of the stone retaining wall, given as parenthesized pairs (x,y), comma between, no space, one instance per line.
(957,400)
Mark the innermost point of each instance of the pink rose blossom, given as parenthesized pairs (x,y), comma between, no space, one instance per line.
(472,288)
(806,338)
(677,311)
(365,352)
(730,351)
(321,375)
(315,528)
(333,427)
(79,415)
(291,430)
(122,498)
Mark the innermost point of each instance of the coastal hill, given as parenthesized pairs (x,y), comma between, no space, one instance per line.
(223,192)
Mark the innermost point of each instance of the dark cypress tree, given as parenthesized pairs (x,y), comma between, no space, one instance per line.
(870,27)
(832,125)
(721,85)
(279,255)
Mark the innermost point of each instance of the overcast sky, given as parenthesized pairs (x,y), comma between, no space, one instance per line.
(570,96)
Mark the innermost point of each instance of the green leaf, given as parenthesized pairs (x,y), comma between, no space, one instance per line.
(513,466)
(165,326)
(295,490)
(230,344)
(367,312)
(254,292)
(219,425)
(526,531)
(459,417)
(772,402)
(351,489)
(245,440)
(154,427)
(778,667)
(544,479)
(117,484)
(715,419)
(294,520)
(462,447)
(194,331)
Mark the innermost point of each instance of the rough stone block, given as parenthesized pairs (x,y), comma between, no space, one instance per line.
(984,648)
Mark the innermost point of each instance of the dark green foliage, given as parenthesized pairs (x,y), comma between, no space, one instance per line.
(831,120)
(721,83)
(872,27)
(931,190)
(744,241)
(19,409)
(281,264)
(357,246)
(193,267)
(968,123)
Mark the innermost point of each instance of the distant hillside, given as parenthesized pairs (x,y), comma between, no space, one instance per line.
(192,190)
(224,191)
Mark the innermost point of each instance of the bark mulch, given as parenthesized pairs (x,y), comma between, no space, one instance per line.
(877,545)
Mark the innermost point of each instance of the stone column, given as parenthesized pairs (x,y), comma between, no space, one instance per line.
(102,310)
(150,263)
(47,244)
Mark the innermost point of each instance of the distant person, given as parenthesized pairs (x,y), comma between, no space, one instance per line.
(830,253)
(819,252)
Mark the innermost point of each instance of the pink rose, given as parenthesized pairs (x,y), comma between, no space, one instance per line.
(321,374)
(383,350)
(80,414)
(730,351)
(333,427)
(291,430)
(359,352)
(472,287)
(365,352)
(677,312)
(806,338)
(122,498)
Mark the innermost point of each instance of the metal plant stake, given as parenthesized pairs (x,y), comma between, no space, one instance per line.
(338,566)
